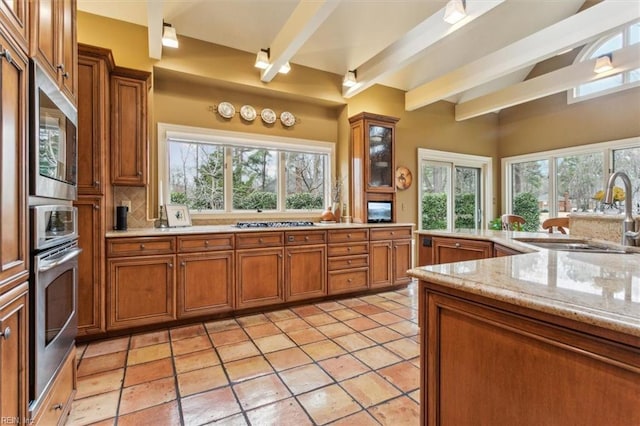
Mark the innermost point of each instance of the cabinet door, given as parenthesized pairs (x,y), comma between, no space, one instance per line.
(447,250)
(379,157)
(259,277)
(13,354)
(14,15)
(141,290)
(67,49)
(90,265)
(128,130)
(205,283)
(401,261)
(13,178)
(44,42)
(93,119)
(306,272)
(381,265)
(499,251)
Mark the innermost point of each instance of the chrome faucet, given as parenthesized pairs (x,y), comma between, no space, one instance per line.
(629,236)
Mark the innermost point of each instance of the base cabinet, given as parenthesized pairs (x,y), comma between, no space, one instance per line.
(348,260)
(447,250)
(381,269)
(306,272)
(141,291)
(56,407)
(390,252)
(401,261)
(259,277)
(13,355)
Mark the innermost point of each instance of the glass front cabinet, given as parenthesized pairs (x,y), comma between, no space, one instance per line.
(373,162)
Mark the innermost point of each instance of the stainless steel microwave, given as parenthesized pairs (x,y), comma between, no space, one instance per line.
(53,144)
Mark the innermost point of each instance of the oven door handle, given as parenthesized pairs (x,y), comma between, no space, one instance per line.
(67,256)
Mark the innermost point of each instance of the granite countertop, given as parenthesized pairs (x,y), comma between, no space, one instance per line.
(601,289)
(220,229)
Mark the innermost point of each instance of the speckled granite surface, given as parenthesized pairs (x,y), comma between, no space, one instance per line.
(601,289)
(600,226)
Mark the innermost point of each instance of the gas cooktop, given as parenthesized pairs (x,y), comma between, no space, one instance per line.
(274,224)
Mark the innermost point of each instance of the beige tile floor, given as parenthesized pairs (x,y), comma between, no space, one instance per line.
(350,362)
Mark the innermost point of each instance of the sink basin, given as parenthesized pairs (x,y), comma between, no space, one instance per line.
(576,246)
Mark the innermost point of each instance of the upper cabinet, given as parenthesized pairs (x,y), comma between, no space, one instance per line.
(54,41)
(14,16)
(129,126)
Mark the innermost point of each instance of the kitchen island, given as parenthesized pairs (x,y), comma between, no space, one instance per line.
(540,338)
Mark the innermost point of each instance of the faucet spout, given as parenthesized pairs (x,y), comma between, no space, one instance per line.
(628,225)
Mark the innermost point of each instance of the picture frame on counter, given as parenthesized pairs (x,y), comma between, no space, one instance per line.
(177,215)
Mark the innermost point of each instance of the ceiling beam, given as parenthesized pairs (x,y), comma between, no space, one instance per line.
(407,49)
(547,84)
(303,22)
(154,28)
(569,33)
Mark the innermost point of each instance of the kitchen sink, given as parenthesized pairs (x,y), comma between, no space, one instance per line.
(576,246)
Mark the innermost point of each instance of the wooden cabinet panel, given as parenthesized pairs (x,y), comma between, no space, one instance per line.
(500,250)
(305,237)
(14,16)
(348,249)
(13,177)
(259,277)
(129,127)
(13,353)
(57,405)
(259,239)
(141,291)
(447,250)
(486,365)
(208,242)
(306,272)
(91,288)
(117,247)
(348,235)
(381,268)
(401,261)
(349,280)
(205,283)
(390,233)
(68,53)
(347,262)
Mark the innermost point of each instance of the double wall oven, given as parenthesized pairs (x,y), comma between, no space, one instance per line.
(53,299)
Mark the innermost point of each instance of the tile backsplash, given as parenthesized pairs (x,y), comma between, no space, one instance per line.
(137,217)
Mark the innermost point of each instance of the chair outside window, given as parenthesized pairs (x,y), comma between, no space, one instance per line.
(512,222)
(561,224)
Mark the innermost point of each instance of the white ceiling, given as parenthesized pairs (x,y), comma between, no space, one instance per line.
(399,43)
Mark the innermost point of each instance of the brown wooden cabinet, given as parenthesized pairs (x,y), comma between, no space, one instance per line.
(14,17)
(305,265)
(13,172)
(205,275)
(401,261)
(54,41)
(348,263)
(13,354)
(259,269)
(390,253)
(486,362)
(56,406)
(500,250)
(381,270)
(129,126)
(447,250)
(373,162)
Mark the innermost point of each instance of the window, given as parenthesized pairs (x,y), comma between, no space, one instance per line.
(454,189)
(218,172)
(626,37)
(556,183)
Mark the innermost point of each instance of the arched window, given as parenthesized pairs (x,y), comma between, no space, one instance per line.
(625,37)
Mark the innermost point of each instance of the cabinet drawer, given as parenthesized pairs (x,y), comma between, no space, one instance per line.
(348,249)
(144,245)
(346,235)
(305,237)
(390,233)
(347,281)
(210,242)
(348,262)
(259,239)
(58,402)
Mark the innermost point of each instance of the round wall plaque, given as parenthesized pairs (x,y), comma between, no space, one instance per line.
(403,178)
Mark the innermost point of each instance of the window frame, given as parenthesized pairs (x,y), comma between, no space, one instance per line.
(606,148)
(280,144)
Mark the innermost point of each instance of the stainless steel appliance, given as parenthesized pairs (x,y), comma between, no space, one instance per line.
(53,298)
(53,148)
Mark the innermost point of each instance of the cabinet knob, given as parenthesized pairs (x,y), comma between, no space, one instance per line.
(392,233)
(60,67)
(57,406)
(96,207)
(65,75)
(139,173)
(350,280)
(141,246)
(348,235)
(96,183)
(457,245)
(6,333)
(183,263)
(170,265)
(7,55)
(206,243)
(349,262)
(260,240)
(348,248)
(306,238)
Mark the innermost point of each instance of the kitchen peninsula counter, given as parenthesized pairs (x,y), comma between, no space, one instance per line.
(543,337)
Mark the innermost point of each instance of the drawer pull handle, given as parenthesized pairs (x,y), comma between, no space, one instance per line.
(60,67)
(57,406)
(206,243)
(7,55)
(6,333)
(457,245)
(393,233)
(350,280)
(306,238)
(348,235)
(349,262)
(260,240)
(141,246)
(348,248)
(65,75)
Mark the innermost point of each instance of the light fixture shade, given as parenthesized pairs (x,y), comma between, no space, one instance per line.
(262,59)
(349,79)
(603,64)
(454,11)
(169,36)
(285,68)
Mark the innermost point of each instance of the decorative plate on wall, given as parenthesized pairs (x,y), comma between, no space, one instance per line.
(287,119)
(226,110)
(248,112)
(268,116)
(403,178)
